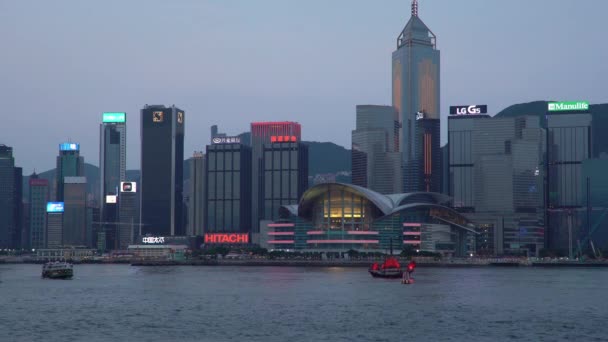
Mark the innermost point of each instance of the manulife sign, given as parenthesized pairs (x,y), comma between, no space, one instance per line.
(568,106)
(114,117)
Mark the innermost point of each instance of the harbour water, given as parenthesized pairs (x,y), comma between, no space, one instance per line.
(127,303)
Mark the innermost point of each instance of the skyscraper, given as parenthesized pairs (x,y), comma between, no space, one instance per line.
(7,196)
(75,211)
(18,209)
(285,176)
(127,212)
(416,71)
(112,155)
(568,145)
(162,158)
(69,164)
(262,133)
(228,188)
(196,203)
(38,197)
(376,162)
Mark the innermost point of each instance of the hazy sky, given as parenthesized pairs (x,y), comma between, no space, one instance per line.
(230,62)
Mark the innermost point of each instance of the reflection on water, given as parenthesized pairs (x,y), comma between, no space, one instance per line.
(120,302)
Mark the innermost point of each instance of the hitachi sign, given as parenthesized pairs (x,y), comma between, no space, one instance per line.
(227,238)
(568,106)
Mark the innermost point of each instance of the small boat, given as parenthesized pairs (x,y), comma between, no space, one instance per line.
(57,270)
(389,269)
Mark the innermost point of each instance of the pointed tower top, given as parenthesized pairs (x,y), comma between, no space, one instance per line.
(414,8)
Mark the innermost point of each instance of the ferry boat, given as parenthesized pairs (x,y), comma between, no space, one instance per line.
(389,269)
(57,270)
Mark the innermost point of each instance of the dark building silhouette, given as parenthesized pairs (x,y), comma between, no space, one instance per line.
(227,189)
(162,159)
(38,198)
(7,196)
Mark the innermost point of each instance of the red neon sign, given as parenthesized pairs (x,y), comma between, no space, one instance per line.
(227,238)
(283,138)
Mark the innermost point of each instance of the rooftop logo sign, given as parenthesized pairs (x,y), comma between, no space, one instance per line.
(568,106)
(469,110)
(226,140)
(114,117)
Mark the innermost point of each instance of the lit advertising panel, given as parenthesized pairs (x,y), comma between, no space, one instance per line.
(128,187)
(114,117)
(226,140)
(568,106)
(468,110)
(54,207)
(227,238)
(111,199)
(283,138)
(69,147)
(153,239)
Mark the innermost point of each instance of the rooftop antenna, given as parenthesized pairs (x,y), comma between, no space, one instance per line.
(414,8)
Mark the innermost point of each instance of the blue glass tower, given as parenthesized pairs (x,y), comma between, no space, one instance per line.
(416,90)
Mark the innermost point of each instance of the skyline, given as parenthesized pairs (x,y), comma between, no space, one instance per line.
(233,77)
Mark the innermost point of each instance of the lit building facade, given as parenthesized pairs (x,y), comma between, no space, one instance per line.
(336,217)
(127,214)
(416,88)
(162,159)
(227,189)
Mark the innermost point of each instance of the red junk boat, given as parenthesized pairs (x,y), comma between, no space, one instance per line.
(389,269)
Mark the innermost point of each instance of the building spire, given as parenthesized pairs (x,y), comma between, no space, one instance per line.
(414,8)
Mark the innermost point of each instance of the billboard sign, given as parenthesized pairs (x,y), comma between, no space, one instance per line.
(568,106)
(469,110)
(227,238)
(111,199)
(153,239)
(128,187)
(69,147)
(226,140)
(419,115)
(283,138)
(54,207)
(114,117)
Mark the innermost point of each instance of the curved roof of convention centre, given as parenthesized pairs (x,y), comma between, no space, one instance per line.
(386,204)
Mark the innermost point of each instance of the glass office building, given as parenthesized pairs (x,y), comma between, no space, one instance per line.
(228,188)
(568,145)
(38,197)
(416,88)
(162,160)
(69,164)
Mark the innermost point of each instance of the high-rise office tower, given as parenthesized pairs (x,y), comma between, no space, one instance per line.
(38,198)
(54,224)
(416,71)
(425,171)
(227,188)
(18,209)
(7,196)
(262,133)
(496,180)
(285,176)
(112,155)
(69,164)
(568,145)
(196,203)
(75,211)
(162,159)
(376,162)
(127,212)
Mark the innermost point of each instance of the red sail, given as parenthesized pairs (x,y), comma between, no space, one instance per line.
(391,263)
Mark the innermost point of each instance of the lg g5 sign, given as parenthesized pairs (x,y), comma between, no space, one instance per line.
(468,110)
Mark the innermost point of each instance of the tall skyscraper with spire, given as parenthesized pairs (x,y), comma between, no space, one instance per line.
(416,71)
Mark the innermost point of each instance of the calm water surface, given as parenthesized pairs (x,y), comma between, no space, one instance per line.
(125,303)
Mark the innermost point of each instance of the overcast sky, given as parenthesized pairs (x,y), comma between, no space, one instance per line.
(231,62)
